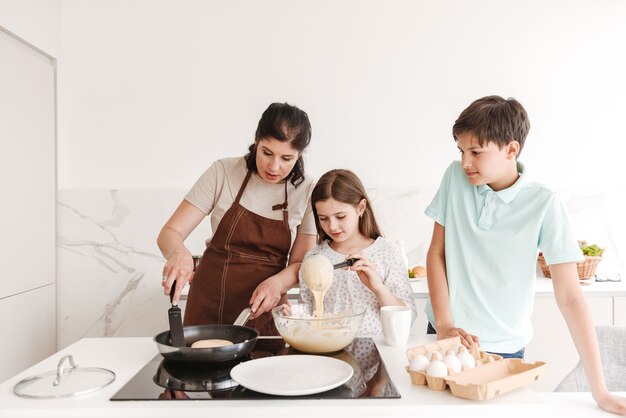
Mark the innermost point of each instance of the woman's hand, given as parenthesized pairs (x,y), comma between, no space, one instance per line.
(265,297)
(178,267)
(611,403)
(450,331)
(366,270)
(272,291)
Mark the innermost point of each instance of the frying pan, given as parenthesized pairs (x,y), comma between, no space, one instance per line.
(243,338)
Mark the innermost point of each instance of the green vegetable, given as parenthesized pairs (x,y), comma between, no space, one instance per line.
(411,274)
(590,250)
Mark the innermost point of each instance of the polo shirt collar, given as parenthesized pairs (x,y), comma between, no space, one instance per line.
(508,194)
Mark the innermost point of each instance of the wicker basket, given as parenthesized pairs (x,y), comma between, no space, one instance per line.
(586,269)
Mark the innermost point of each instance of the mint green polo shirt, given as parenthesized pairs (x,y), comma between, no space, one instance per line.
(491,244)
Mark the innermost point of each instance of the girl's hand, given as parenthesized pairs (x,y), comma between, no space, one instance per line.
(467,339)
(178,267)
(367,272)
(611,403)
(266,296)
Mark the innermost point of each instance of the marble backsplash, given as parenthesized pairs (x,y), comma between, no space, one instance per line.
(109,266)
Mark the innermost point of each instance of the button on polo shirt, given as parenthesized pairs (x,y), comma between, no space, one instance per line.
(487,200)
(491,243)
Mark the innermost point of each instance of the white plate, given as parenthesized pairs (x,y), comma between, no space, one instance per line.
(292,375)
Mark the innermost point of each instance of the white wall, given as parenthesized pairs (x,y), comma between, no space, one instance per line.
(153,91)
(36,21)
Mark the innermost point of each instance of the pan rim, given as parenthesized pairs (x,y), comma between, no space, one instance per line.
(254,334)
(245,338)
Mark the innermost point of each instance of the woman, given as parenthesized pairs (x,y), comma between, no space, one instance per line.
(261,217)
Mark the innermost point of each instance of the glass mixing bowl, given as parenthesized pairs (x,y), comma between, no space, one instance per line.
(303,331)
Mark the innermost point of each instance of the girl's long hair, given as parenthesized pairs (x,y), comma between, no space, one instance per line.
(345,187)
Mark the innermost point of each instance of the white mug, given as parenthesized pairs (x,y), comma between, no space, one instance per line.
(396,321)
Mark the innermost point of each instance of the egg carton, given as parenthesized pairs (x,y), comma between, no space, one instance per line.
(494,378)
(492,375)
(439,383)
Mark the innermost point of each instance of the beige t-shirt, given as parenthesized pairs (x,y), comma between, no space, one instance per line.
(216,190)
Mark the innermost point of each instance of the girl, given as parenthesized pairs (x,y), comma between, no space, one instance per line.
(347,228)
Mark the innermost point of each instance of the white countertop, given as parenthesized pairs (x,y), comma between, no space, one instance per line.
(126,356)
(544,288)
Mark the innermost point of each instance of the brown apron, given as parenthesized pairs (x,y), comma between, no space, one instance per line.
(245,249)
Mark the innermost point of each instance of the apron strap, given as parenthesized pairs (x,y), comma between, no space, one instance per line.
(243,186)
(283,205)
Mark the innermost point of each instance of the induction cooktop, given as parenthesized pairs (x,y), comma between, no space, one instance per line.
(161,379)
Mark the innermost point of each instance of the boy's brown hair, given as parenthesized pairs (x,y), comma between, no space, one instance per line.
(494,119)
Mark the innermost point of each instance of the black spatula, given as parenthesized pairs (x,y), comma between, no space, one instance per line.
(176,321)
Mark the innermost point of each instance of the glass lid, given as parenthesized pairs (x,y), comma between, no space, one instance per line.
(65,382)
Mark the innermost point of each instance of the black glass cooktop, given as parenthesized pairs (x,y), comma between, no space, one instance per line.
(161,379)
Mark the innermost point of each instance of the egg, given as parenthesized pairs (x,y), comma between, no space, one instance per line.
(418,363)
(466,358)
(452,362)
(431,353)
(436,367)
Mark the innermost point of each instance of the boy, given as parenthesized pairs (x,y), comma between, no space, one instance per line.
(489,222)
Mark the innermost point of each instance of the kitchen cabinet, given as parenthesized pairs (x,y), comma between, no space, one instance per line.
(619,315)
(552,342)
(30,329)
(27,213)
(421,322)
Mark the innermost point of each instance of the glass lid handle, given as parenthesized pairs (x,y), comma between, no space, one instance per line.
(73,364)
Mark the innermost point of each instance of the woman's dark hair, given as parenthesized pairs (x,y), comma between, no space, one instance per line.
(285,123)
(344,186)
(494,119)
